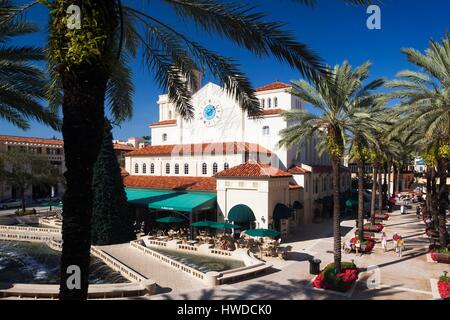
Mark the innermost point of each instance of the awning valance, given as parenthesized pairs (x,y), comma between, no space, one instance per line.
(281,212)
(171,200)
(241,213)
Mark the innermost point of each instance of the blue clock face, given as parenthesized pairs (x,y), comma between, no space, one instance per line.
(209,112)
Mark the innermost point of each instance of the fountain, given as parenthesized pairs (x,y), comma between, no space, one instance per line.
(36,263)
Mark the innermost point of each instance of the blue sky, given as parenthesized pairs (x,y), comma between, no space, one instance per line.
(334,30)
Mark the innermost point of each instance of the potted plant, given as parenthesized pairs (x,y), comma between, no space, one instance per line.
(373,227)
(330,280)
(439,254)
(367,244)
(444,286)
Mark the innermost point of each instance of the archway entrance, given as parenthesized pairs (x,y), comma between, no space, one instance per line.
(243,216)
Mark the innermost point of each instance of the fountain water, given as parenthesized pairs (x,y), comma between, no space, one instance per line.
(23,262)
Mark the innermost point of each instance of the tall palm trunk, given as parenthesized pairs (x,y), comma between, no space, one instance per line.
(385,196)
(81,66)
(389,181)
(337,213)
(443,201)
(397,191)
(360,226)
(428,193)
(380,191)
(434,198)
(83,109)
(374,191)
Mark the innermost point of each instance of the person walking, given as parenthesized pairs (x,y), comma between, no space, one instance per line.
(400,246)
(395,238)
(418,212)
(384,241)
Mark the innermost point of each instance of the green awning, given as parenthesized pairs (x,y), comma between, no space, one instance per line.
(281,212)
(171,200)
(241,213)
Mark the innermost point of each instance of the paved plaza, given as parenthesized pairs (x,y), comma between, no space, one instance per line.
(406,278)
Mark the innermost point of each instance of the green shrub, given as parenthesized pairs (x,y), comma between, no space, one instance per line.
(444,279)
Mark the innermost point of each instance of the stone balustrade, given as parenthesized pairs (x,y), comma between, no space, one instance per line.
(212,278)
(118,266)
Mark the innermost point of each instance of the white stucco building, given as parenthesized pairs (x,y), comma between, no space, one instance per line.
(224,152)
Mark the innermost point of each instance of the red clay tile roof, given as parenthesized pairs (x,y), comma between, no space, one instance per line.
(125,147)
(171,182)
(163,123)
(253,169)
(200,148)
(298,170)
(294,186)
(273,86)
(18,139)
(123,172)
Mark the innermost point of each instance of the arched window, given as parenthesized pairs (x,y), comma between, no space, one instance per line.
(226,166)
(144,168)
(186,168)
(177,168)
(215,168)
(167,168)
(275,102)
(170,115)
(204,168)
(263,103)
(136,168)
(164,137)
(269,103)
(266,131)
(152,168)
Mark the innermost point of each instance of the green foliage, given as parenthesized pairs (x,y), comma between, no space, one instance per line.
(112,219)
(22,85)
(444,279)
(329,274)
(78,46)
(22,169)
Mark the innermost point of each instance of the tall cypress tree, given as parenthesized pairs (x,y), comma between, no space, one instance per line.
(112,218)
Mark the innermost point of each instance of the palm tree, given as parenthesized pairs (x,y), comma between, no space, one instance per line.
(367,115)
(22,85)
(87,64)
(341,98)
(426,102)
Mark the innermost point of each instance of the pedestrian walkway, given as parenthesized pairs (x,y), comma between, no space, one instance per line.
(406,278)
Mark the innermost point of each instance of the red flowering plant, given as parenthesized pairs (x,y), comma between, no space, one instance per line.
(440,254)
(444,286)
(342,282)
(381,216)
(373,227)
(367,244)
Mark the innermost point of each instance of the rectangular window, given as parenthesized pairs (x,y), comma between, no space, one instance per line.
(266,130)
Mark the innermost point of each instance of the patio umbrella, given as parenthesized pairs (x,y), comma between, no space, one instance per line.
(205,223)
(170,220)
(262,233)
(225,225)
